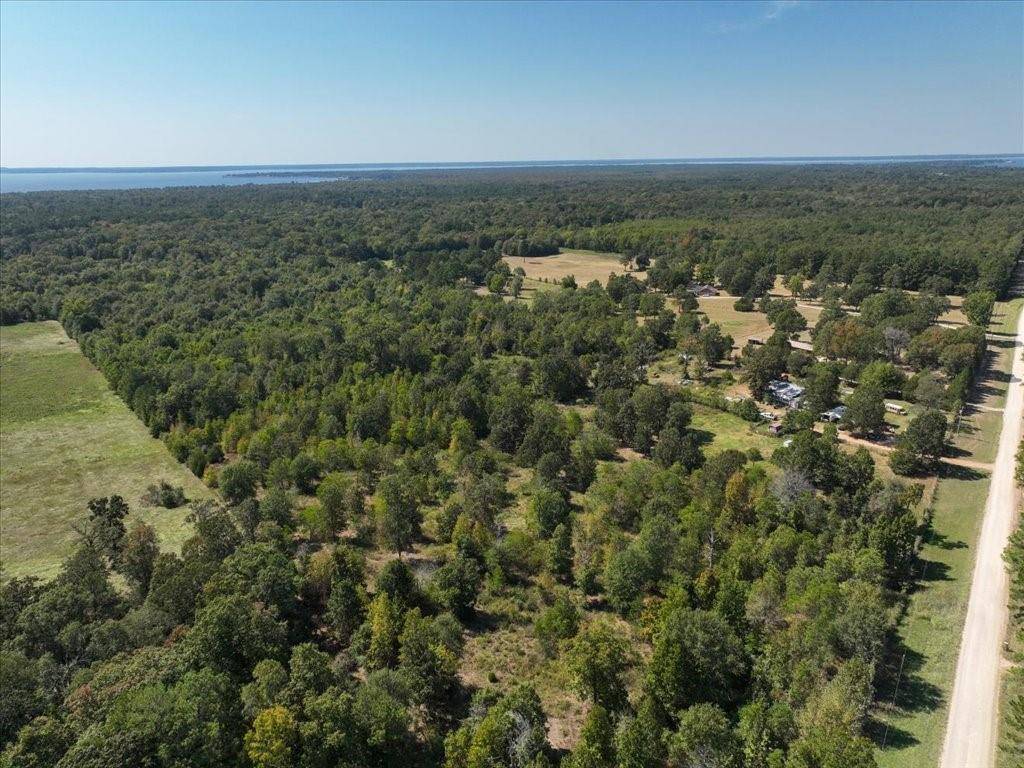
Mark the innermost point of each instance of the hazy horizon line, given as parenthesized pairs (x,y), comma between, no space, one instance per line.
(486,163)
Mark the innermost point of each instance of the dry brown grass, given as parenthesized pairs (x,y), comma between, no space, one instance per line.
(508,656)
(744,325)
(740,325)
(585,266)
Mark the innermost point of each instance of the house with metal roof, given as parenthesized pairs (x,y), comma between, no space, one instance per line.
(834,415)
(785,393)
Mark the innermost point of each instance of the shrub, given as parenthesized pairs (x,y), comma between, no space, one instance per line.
(549,509)
(516,556)
(560,621)
(163,494)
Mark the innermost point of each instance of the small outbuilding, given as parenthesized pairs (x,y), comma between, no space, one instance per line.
(834,415)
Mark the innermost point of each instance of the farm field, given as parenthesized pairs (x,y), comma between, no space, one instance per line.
(66,438)
(585,266)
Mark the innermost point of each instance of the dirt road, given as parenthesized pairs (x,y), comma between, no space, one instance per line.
(875,445)
(971,729)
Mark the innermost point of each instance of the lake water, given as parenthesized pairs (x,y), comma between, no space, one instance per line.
(52,179)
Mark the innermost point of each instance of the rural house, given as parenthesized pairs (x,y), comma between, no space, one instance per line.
(834,415)
(785,393)
(702,290)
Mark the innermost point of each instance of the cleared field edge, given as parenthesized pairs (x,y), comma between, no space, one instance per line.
(932,626)
(96,448)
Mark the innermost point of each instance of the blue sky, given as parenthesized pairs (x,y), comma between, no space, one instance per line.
(227,83)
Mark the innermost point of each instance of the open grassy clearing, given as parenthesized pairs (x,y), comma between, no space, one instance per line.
(66,438)
(1004,317)
(726,431)
(668,368)
(954,314)
(740,325)
(744,325)
(977,435)
(585,266)
(510,654)
(531,287)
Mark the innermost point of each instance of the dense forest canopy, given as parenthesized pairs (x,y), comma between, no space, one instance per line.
(409,465)
(960,223)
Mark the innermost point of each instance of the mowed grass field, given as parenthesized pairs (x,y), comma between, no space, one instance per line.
(743,325)
(726,431)
(585,266)
(66,438)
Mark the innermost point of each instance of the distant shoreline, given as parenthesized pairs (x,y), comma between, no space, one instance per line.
(339,175)
(292,168)
(29,180)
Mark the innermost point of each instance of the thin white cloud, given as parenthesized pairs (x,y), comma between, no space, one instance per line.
(777,8)
(773,10)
